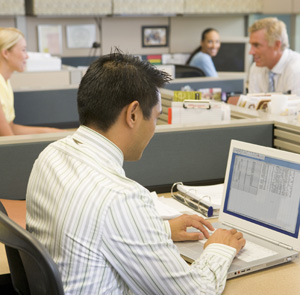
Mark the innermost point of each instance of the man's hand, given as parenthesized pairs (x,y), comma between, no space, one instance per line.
(179,225)
(231,238)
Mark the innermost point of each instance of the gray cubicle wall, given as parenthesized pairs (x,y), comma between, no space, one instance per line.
(16,164)
(227,85)
(193,156)
(53,108)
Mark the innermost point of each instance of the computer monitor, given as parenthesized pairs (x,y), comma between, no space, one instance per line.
(233,56)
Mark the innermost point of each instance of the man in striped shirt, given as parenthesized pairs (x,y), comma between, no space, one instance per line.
(101,228)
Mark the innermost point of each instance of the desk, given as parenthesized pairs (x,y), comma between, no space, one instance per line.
(283,279)
(16,210)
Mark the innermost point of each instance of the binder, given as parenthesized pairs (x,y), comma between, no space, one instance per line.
(198,198)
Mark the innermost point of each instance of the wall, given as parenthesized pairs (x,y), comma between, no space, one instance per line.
(32,34)
(7,21)
(186,30)
(125,32)
(297,33)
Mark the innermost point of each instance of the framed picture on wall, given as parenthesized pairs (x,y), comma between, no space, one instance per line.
(81,36)
(50,39)
(155,36)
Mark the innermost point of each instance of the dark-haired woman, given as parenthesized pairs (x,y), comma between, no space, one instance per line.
(202,56)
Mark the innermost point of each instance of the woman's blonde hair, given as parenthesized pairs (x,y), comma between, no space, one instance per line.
(9,37)
(275,30)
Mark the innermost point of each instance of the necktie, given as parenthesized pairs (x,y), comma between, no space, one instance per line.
(271,87)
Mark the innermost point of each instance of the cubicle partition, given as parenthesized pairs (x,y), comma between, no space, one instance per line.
(51,107)
(193,155)
(16,163)
(228,83)
(58,107)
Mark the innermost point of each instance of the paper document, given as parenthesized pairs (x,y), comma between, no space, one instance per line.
(169,208)
(165,211)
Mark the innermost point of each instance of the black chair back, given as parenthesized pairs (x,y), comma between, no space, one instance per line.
(186,71)
(32,269)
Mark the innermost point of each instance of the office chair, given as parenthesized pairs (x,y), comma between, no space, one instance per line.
(32,269)
(185,71)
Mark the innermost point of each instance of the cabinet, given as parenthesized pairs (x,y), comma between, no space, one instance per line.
(222,6)
(296,6)
(12,7)
(277,6)
(69,7)
(148,6)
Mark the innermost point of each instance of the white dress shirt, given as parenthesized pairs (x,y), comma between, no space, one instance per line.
(287,75)
(102,229)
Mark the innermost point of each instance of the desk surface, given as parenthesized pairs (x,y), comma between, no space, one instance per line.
(277,280)
(16,210)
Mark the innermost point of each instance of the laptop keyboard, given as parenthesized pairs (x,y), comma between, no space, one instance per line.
(251,251)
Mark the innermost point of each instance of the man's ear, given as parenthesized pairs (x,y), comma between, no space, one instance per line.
(277,45)
(132,113)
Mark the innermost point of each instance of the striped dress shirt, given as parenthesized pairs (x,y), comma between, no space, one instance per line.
(102,229)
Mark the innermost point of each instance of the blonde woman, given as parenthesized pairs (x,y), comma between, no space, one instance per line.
(13,57)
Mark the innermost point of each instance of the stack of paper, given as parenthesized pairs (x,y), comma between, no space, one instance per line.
(42,62)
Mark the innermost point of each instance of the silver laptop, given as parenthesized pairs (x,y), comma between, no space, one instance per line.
(261,199)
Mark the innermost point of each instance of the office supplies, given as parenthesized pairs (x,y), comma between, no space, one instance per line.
(203,199)
(261,199)
(186,95)
(263,101)
(38,61)
(191,112)
(196,104)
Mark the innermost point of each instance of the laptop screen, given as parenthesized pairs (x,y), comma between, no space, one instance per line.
(264,190)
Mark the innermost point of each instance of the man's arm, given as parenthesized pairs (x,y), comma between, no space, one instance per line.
(139,247)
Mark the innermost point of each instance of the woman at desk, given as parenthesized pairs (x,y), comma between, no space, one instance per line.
(202,56)
(13,57)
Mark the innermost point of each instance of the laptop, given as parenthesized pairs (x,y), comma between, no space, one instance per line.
(261,199)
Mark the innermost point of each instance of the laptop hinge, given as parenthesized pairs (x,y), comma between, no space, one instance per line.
(258,236)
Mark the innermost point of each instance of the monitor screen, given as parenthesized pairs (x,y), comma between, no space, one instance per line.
(231,57)
(264,190)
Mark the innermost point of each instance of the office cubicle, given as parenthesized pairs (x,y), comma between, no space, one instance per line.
(194,155)
(49,107)
(228,83)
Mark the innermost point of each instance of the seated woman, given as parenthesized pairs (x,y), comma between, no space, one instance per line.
(13,57)
(202,56)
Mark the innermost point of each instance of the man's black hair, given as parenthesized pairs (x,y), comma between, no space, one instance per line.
(114,81)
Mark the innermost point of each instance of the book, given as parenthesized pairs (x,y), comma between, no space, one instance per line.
(184,95)
(203,199)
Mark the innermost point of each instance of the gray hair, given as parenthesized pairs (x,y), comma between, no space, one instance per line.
(275,30)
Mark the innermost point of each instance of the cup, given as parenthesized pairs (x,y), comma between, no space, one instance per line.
(278,104)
